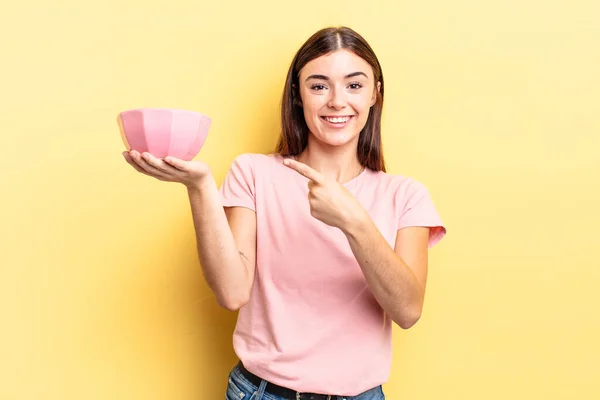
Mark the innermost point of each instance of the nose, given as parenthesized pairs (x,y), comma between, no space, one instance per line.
(337,99)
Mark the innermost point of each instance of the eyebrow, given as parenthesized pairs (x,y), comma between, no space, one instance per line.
(326,78)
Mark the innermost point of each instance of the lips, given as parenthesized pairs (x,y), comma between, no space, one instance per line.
(337,120)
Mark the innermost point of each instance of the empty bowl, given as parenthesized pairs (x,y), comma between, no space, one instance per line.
(164,132)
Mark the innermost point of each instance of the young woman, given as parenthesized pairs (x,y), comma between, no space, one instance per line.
(316,245)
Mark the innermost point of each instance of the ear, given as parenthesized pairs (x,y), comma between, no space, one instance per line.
(375,94)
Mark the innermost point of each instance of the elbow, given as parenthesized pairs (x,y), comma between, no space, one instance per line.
(409,319)
(232,303)
(408,323)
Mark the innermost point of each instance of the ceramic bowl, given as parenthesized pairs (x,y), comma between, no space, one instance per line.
(164,132)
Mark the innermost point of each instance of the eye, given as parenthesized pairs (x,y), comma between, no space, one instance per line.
(355,85)
(318,87)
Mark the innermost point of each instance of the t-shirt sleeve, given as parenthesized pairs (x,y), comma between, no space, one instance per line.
(238,188)
(418,209)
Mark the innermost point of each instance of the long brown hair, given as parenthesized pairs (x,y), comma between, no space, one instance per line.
(294,131)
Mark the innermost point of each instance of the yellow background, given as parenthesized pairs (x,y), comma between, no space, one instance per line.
(493,105)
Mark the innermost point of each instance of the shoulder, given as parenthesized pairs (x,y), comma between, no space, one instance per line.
(412,203)
(255,167)
(257,159)
(259,164)
(400,192)
(399,185)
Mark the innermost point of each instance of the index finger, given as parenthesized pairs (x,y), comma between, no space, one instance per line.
(304,170)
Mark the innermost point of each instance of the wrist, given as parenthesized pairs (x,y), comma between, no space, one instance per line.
(201,184)
(356,224)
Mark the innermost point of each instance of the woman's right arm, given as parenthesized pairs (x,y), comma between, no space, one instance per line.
(226,241)
(225,238)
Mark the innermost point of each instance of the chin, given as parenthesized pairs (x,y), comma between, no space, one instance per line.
(338,139)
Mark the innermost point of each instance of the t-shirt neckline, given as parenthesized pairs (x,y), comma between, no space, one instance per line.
(354,181)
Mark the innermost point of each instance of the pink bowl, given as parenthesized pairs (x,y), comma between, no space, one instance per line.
(164,132)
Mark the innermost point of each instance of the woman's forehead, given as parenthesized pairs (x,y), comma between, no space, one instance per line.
(336,65)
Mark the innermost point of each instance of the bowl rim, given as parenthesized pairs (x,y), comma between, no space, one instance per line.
(180,110)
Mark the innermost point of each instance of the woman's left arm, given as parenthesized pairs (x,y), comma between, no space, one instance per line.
(397,277)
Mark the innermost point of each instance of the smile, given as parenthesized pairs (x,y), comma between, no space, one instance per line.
(337,120)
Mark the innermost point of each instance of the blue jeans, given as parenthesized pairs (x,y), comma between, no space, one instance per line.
(239,388)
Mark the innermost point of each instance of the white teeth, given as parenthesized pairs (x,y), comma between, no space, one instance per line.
(337,120)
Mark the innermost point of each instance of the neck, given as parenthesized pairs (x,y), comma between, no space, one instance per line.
(336,162)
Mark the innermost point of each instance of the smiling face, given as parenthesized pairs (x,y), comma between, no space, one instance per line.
(337,91)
